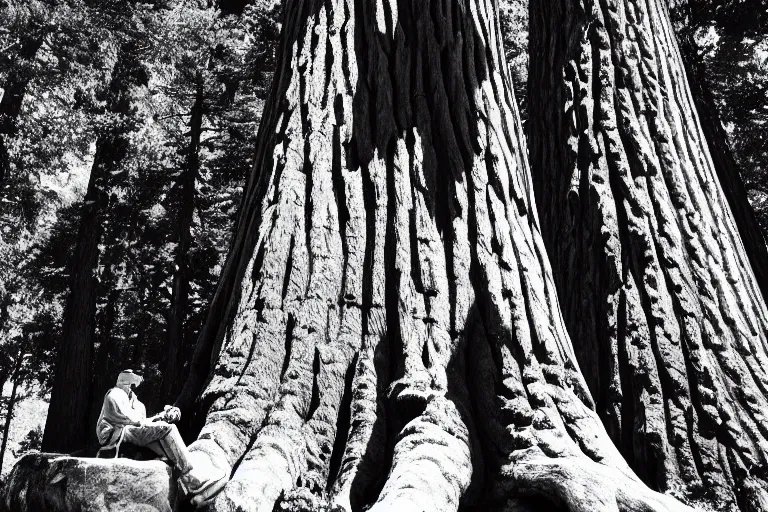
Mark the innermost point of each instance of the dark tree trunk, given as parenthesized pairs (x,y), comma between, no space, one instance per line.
(657,289)
(14,88)
(386,331)
(67,427)
(66,424)
(103,364)
(6,298)
(10,407)
(137,354)
(180,295)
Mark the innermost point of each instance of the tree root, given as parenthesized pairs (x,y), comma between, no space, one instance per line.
(431,465)
(583,485)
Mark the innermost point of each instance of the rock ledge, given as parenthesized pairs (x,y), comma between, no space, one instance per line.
(53,482)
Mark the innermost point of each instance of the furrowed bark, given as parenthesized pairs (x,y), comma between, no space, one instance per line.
(667,317)
(395,339)
(67,427)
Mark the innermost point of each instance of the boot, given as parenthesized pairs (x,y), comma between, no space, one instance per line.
(203,480)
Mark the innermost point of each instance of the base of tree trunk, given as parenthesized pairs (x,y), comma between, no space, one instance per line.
(393,339)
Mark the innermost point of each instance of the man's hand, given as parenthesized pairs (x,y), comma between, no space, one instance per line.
(171,414)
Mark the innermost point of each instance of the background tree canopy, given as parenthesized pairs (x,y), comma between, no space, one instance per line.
(184,49)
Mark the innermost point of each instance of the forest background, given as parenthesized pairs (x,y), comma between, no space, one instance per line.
(172,91)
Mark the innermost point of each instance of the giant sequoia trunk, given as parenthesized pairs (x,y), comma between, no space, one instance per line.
(658,294)
(67,427)
(390,329)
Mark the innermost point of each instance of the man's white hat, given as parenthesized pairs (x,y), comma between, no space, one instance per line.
(129,378)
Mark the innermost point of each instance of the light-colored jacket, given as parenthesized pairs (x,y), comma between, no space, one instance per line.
(119,409)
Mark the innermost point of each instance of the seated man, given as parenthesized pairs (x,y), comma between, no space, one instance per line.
(123,418)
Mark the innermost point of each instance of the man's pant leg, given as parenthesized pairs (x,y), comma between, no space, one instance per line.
(167,435)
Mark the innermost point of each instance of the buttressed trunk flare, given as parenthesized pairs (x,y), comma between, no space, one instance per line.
(394,336)
(655,283)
